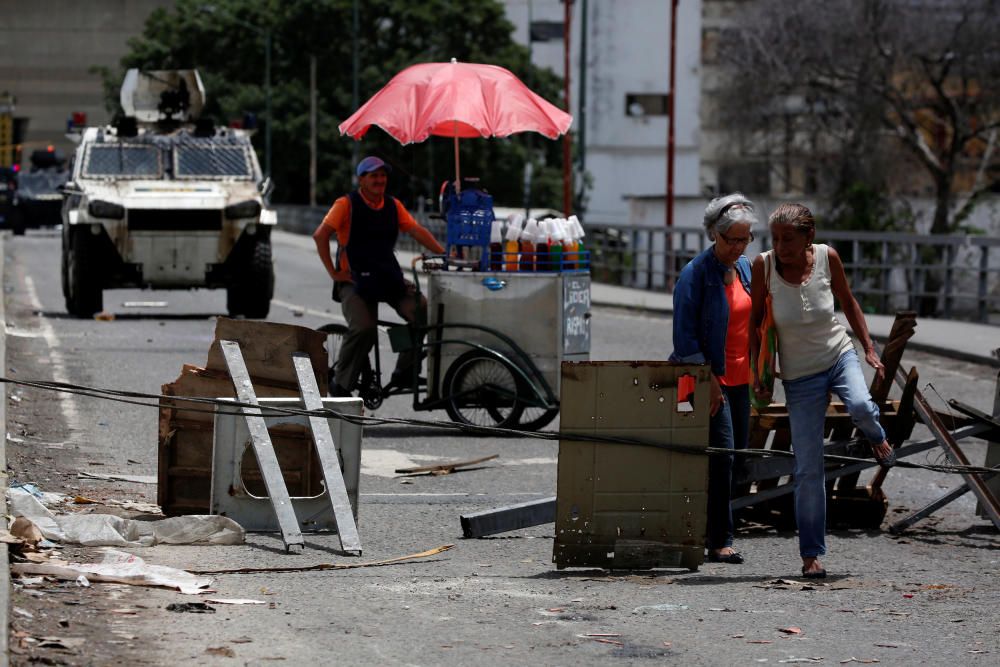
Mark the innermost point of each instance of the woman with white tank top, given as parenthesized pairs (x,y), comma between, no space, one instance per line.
(815,357)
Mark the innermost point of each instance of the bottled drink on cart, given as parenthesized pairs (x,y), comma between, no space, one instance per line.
(512,242)
(496,246)
(578,235)
(569,246)
(542,247)
(528,249)
(556,246)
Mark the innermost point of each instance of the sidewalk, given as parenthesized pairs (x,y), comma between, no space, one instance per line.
(967,341)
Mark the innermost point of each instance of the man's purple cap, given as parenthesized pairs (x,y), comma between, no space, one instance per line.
(370,164)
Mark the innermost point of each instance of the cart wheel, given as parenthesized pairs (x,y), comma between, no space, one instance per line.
(534,419)
(482,390)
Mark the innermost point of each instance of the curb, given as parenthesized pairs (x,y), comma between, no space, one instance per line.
(4,554)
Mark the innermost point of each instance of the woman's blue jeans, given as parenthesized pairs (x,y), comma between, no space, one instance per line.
(729,429)
(806,400)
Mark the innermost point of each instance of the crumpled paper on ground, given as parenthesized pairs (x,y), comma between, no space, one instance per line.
(122,568)
(95,530)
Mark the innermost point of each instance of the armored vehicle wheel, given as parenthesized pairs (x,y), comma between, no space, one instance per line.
(482,390)
(251,289)
(84,292)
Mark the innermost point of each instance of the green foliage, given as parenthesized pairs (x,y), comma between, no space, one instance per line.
(226,44)
(864,207)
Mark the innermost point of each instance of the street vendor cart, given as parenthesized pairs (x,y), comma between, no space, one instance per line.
(494,343)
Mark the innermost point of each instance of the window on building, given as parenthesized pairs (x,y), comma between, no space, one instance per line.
(546,31)
(638,105)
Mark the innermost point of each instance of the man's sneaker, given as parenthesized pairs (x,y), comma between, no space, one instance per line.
(404,380)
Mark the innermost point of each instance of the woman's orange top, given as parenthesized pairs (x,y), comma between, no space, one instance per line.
(737,337)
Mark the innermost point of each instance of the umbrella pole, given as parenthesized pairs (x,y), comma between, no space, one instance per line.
(458,176)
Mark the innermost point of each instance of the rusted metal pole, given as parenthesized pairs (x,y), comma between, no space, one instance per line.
(671,106)
(567,138)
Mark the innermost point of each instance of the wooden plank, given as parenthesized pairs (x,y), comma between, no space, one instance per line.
(445,468)
(985,495)
(261,441)
(326,448)
(906,450)
(903,328)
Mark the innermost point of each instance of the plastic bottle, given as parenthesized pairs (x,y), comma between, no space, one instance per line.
(496,246)
(556,244)
(512,245)
(542,247)
(569,246)
(528,238)
(582,260)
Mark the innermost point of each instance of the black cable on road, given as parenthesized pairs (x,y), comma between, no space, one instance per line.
(235,407)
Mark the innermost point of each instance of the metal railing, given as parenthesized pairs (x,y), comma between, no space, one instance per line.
(954,276)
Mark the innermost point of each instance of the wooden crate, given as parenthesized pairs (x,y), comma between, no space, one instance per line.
(185,435)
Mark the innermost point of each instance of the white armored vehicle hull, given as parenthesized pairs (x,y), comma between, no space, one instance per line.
(167,205)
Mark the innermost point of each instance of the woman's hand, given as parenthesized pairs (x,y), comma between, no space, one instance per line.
(876,363)
(761,392)
(716,399)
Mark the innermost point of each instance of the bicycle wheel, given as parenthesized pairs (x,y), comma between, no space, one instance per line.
(482,390)
(535,418)
(370,391)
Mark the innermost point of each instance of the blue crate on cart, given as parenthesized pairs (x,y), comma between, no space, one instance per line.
(470,219)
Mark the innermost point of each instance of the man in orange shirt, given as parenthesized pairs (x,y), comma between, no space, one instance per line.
(365,272)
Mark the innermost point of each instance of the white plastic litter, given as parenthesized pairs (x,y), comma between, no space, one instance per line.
(123,568)
(98,530)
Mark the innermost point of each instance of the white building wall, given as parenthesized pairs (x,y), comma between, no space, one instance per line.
(628,52)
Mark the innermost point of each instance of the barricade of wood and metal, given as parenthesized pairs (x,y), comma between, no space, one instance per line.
(764,481)
(765,485)
(258,462)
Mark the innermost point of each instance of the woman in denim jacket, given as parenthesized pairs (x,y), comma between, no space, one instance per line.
(711,326)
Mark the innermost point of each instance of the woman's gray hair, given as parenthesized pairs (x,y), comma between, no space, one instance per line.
(723,212)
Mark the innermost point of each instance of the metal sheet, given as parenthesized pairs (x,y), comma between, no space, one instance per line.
(326,448)
(276,490)
(622,505)
(253,512)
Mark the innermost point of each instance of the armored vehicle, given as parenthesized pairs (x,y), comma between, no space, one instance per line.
(164,199)
(39,200)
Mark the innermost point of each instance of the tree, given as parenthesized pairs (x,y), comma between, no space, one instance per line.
(856,90)
(393,35)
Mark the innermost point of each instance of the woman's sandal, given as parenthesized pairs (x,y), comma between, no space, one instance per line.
(815,574)
(733,558)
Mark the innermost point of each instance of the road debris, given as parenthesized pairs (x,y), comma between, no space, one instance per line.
(233,601)
(123,568)
(191,608)
(660,607)
(136,479)
(791,631)
(110,530)
(444,468)
(329,566)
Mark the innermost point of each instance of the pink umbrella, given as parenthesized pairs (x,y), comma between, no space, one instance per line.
(458,100)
